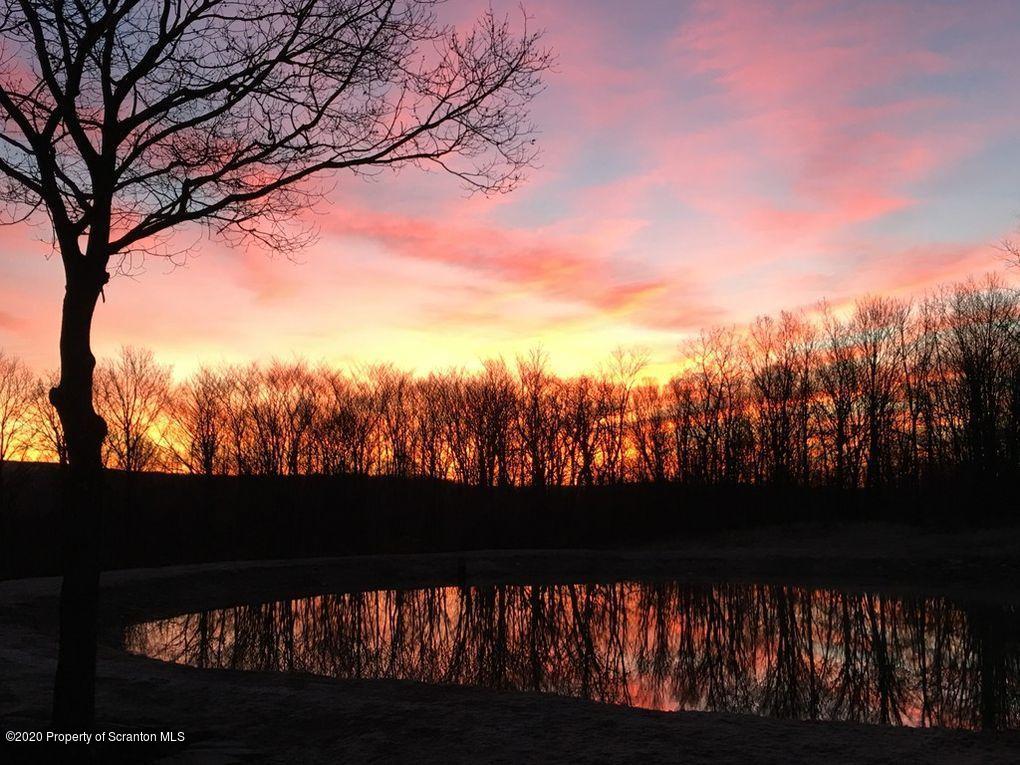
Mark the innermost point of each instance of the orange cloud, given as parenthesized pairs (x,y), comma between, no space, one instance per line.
(573,268)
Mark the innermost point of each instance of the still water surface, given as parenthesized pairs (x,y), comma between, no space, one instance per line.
(770,650)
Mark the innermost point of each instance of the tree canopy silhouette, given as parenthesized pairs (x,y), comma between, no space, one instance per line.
(125,121)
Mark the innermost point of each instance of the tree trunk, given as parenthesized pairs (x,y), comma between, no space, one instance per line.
(84,431)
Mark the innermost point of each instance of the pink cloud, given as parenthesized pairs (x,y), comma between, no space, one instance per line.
(812,89)
(550,263)
(569,267)
(10,322)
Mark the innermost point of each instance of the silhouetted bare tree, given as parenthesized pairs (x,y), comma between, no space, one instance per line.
(17,385)
(197,424)
(128,120)
(17,389)
(48,434)
(133,397)
(838,381)
(537,419)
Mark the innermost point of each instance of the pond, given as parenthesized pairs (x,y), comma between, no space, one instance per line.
(772,650)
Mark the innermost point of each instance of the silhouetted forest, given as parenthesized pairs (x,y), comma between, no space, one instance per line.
(888,411)
(771,650)
(889,394)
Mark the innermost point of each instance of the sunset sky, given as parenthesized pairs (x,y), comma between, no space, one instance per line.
(703,163)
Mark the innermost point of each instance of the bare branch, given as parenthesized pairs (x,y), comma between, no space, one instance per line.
(126,121)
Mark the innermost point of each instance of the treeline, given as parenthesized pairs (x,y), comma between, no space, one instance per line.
(888,394)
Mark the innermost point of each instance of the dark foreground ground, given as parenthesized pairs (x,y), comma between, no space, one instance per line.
(240,717)
(153,519)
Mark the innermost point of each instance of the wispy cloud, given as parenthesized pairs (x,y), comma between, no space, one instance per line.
(703,162)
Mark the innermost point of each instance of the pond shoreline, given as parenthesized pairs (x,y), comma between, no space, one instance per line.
(231,716)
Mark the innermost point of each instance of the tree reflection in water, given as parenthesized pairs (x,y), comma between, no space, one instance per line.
(769,650)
